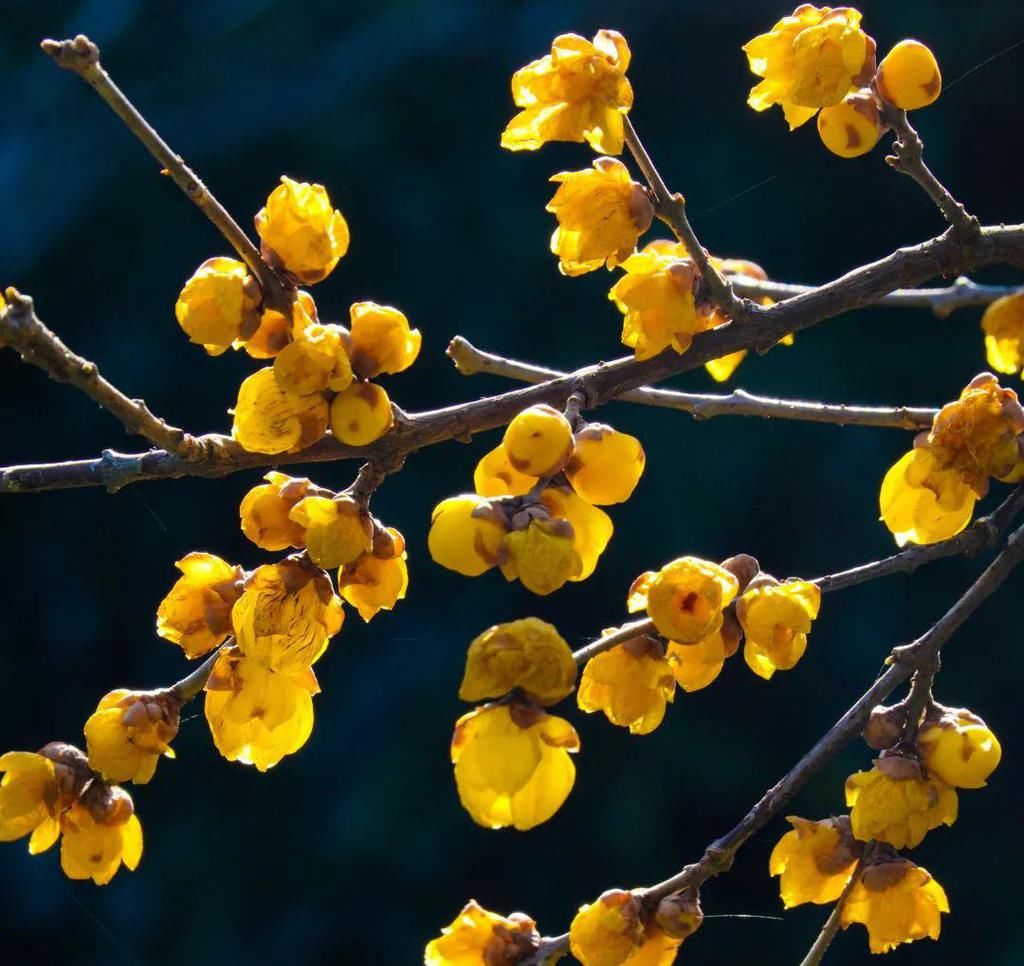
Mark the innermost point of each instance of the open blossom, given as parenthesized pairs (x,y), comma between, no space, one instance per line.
(577,92)
(31,799)
(265,510)
(301,232)
(286,615)
(591,527)
(196,614)
(256,714)
(315,361)
(337,529)
(496,476)
(377,579)
(605,465)
(269,419)
(277,329)
(815,860)
(898,902)
(512,764)
(465,535)
(656,298)
(529,654)
(631,683)
(609,930)
(810,60)
(685,599)
(776,619)
(541,555)
(219,305)
(601,212)
(95,849)
(381,340)
(695,666)
(897,803)
(479,936)
(129,731)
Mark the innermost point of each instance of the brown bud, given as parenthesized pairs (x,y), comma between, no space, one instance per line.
(743,567)
(885,726)
(899,767)
(108,804)
(732,632)
(679,915)
(763,580)
(879,876)
(645,645)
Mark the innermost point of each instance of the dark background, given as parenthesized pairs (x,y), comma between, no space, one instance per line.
(355,850)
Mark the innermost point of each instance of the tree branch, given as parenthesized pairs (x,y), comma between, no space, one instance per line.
(470,360)
(719,855)
(22,330)
(946,254)
(828,931)
(82,56)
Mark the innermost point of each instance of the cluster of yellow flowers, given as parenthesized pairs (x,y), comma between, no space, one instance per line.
(280,616)
(820,61)
(580,92)
(321,373)
(535,510)
(929,494)
(910,790)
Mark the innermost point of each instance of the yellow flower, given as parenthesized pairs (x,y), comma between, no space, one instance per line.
(95,850)
(896,803)
(277,330)
(465,535)
(372,582)
(219,305)
(542,555)
(958,747)
(591,528)
(601,215)
(512,764)
(478,936)
(630,683)
(685,598)
(605,465)
(695,666)
(528,654)
(269,419)
(381,340)
(898,902)
(30,800)
(258,715)
(196,614)
(301,232)
(656,298)
(852,127)
(923,503)
(608,931)
(286,615)
(809,60)
(129,731)
(909,77)
(361,414)
(315,362)
(338,529)
(978,434)
(815,860)
(1003,325)
(538,441)
(496,476)
(776,619)
(577,92)
(264,512)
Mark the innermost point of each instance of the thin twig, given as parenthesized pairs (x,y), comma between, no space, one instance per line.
(946,254)
(190,685)
(719,855)
(82,56)
(828,931)
(470,360)
(984,532)
(22,330)
(942,301)
(908,158)
(671,209)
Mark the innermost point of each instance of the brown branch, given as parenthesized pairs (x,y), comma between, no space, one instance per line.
(671,209)
(942,301)
(903,661)
(984,532)
(192,684)
(946,254)
(22,330)
(908,158)
(82,56)
(828,931)
(470,360)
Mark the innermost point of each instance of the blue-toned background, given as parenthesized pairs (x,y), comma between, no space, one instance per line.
(356,850)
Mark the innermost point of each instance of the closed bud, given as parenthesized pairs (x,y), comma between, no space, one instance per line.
(679,915)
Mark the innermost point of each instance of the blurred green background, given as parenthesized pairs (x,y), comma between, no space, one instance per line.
(356,850)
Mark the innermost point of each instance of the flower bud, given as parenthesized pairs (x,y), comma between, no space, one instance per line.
(908,77)
(852,127)
(361,414)
(538,441)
